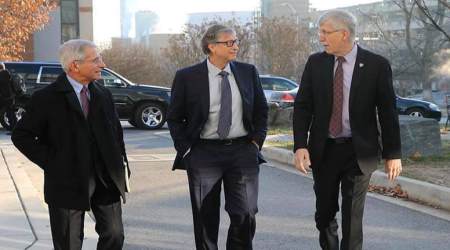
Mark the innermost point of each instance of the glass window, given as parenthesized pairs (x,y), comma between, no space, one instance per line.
(266,84)
(69,20)
(110,80)
(69,12)
(277,84)
(283,85)
(49,74)
(68,31)
(27,72)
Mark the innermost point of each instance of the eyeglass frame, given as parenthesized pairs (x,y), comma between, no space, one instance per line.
(327,33)
(229,43)
(97,60)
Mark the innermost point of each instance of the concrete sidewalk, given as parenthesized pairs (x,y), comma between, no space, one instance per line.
(24,220)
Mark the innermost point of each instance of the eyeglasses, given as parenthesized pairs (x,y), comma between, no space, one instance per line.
(230,43)
(327,33)
(98,60)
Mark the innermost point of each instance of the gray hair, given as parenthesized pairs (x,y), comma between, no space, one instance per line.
(211,35)
(73,50)
(340,19)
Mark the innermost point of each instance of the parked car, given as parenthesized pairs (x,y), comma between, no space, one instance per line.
(279,90)
(418,108)
(143,106)
(284,99)
(405,106)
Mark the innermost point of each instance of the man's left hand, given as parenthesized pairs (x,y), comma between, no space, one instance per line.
(393,168)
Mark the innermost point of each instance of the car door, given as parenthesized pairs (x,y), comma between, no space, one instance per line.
(120,93)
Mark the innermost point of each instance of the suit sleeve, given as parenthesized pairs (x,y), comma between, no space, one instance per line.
(176,115)
(28,135)
(260,111)
(303,109)
(387,114)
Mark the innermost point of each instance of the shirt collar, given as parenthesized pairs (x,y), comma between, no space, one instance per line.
(350,56)
(75,84)
(212,69)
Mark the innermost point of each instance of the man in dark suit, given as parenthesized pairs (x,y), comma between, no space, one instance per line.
(7,96)
(71,130)
(345,92)
(218,122)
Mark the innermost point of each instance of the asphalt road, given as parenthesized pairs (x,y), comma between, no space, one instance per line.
(158,214)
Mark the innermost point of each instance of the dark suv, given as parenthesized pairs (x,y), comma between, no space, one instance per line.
(143,106)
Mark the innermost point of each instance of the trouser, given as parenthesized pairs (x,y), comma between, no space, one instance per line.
(340,169)
(211,164)
(67,224)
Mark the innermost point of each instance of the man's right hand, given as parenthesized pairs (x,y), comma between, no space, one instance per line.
(301,160)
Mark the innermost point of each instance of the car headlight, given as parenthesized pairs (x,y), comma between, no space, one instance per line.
(434,107)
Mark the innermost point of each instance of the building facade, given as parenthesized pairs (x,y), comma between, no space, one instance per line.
(71,19)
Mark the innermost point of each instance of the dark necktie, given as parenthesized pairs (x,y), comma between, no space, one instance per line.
(225,107)
(338,97)
(84,101)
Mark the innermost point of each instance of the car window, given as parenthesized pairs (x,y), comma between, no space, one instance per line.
(266,84)
(48,74)
(277,84)
(28,72)
(110,80)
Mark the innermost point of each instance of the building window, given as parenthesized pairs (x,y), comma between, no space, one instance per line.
(70,28)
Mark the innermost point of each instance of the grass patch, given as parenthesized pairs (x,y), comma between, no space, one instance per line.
(445,157)
(280,130)
(281,144)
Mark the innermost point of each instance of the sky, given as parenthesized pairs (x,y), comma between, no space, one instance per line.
(173,13)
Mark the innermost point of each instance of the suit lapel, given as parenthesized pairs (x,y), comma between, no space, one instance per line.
(329,76)
(63,85)
(240,82)
(95,103)
(203,83)
(356,77)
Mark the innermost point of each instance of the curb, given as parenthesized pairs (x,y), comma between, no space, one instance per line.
(35,210)
(432,194)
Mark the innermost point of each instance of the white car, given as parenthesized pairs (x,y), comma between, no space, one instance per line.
(279,89)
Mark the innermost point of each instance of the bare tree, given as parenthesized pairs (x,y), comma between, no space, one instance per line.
(283,47)
(137,62)
(411,42)
(185,49)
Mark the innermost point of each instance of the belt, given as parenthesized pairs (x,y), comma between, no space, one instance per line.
(226,142)
(341,140)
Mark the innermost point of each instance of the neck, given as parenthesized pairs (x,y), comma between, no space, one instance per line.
(80,79)
(346,49)
(219,63)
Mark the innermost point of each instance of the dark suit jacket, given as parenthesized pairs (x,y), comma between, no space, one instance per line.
(371,94)
(54,134)
(189,107)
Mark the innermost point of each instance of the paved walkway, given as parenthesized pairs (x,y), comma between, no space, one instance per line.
(24,221)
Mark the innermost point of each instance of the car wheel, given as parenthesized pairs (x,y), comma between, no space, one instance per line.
(150,116)
(415,112)
(19,111)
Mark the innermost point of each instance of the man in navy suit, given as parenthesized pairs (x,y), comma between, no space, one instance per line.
(218,122)
(346,92)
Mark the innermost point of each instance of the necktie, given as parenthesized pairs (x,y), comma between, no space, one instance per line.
(84,101)
(225,107)
(338,96)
